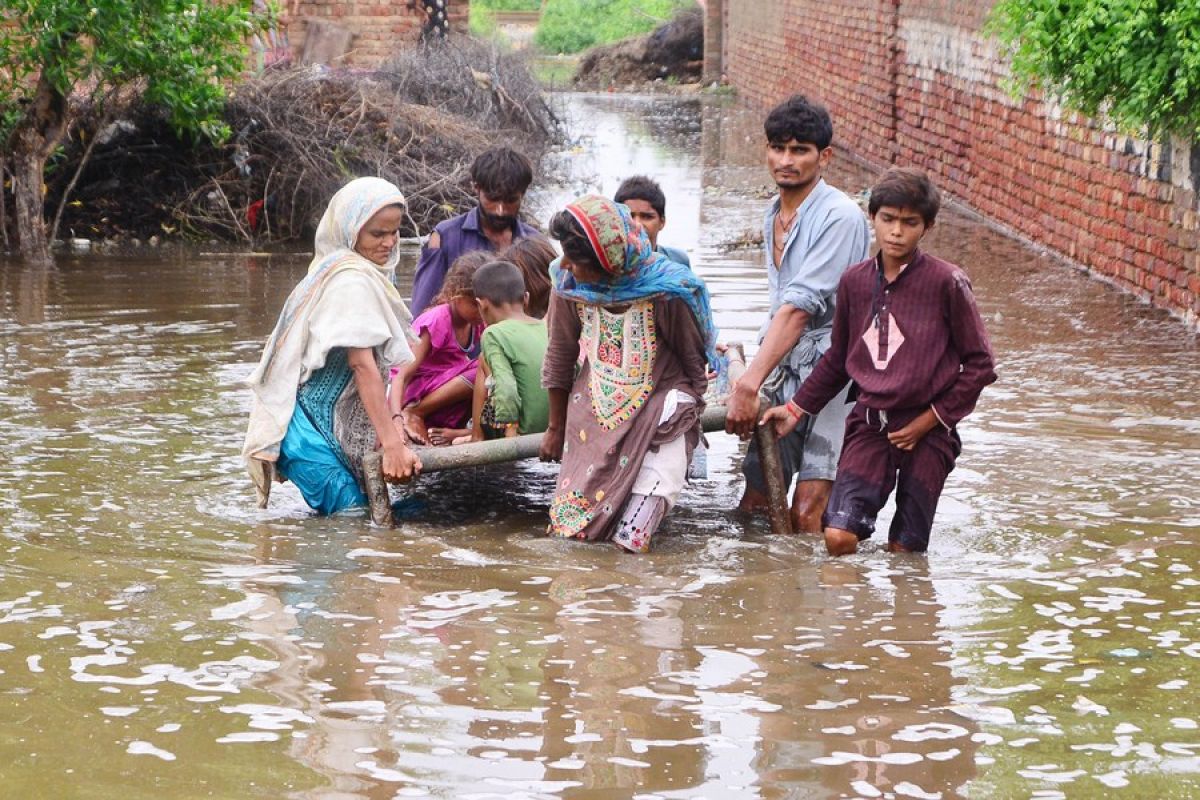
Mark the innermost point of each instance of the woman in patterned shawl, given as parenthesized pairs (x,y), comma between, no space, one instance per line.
(319,402)
(640,329)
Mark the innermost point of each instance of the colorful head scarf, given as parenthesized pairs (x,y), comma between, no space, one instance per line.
(638,272)
(349,210)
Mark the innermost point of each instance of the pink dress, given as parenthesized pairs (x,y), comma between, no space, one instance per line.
(446,360)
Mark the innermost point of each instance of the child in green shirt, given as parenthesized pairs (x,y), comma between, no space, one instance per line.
(509,399)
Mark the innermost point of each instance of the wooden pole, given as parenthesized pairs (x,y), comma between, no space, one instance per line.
(516,448)
(377,490)
(776,482)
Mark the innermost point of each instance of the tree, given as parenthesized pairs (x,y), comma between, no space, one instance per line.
(1134,62)
(57,54)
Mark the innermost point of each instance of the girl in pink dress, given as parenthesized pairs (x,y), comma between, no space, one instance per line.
(432,393)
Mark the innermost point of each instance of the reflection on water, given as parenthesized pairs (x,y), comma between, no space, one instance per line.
(160,636)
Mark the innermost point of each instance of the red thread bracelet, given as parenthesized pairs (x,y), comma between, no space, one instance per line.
(794,409)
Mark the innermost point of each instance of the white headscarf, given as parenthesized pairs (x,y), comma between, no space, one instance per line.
(349,210)
(346,300)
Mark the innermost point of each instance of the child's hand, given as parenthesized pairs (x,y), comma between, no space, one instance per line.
(463,439)
(552,444)
(907,437)
(782,419)
(511,431)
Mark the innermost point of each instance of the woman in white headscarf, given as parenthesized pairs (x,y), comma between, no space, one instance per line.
(319,396)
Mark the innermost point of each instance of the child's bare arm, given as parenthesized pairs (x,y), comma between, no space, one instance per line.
(415,428)
(404,374)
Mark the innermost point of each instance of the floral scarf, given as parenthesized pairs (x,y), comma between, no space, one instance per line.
(638,272)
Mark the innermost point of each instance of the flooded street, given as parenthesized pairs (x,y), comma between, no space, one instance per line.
(160,636)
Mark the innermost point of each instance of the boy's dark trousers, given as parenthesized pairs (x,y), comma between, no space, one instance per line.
(871,466)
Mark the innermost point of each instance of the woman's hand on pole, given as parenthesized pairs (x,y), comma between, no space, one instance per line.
(400,464)
(552,444)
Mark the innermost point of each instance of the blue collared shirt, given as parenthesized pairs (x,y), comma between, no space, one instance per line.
(458,235)
(830,233)
(675,254)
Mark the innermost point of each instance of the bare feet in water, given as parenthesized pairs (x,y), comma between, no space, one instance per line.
(444,436)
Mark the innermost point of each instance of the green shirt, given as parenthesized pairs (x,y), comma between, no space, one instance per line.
(514,351)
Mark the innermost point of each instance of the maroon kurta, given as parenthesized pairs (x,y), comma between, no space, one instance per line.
(613,407)
(911,344)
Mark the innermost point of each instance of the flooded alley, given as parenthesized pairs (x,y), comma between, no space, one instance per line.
(160,636)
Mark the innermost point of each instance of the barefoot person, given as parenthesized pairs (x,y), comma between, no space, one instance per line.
(319,394)
(432,392)
(812,233)
(908,334)
(625,422)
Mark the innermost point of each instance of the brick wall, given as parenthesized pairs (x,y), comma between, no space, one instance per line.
(914,82)
(377,27)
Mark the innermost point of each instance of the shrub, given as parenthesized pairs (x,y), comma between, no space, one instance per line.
(570,26)
(1135,62)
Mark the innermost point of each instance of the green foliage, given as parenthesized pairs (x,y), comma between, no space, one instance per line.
(570,26)
(183,52)
(1135,62)
(482,22)
(506,5)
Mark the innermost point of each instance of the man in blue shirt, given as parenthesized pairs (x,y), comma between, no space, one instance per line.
(648,207)
(500,177)
(811,233)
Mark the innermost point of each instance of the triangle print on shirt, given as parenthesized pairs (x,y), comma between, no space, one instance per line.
(883,342)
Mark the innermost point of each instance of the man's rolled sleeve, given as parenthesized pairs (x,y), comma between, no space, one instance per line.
(815,278)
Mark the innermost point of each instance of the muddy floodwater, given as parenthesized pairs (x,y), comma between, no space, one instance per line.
(162,637)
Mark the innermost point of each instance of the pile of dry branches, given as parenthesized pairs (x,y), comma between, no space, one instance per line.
(300,134)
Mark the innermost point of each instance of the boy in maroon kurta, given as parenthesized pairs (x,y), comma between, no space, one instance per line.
(907,332)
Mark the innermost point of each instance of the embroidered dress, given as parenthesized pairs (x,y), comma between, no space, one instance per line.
(641,342)
(607,439)
(621,349)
